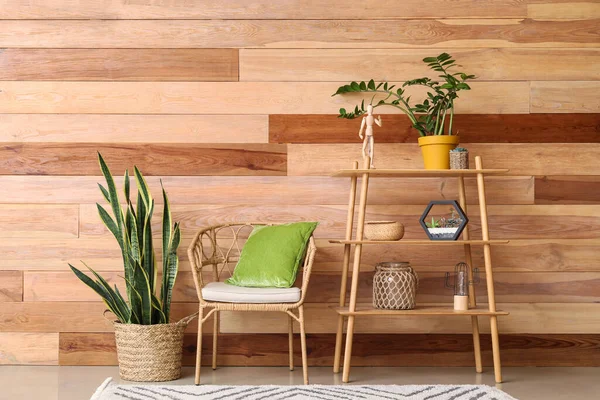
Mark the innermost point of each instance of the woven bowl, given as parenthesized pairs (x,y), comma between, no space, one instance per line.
(384,230)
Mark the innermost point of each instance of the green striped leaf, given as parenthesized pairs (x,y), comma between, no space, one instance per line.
(110,224)
(148,260)
(124,313)
(126,186)
(106,295)
(112,192)
(134,248)
(142,187)
(170,268)
(104,193)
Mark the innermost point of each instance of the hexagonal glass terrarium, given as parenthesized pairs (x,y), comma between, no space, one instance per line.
(443,220)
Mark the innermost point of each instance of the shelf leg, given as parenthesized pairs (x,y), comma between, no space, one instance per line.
(496,348)
(487,257)
(476,344)
(356,269)
(345,264)
(469,260)
(348,350)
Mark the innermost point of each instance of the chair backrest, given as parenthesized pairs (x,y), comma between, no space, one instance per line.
(219,246)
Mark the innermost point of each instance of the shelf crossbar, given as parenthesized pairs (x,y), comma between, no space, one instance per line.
(419,310)
(418,173)
(420,242)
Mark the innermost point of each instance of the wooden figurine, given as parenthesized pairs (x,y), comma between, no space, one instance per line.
(367,121)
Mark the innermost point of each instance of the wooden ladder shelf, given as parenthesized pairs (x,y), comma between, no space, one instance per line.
(348,311)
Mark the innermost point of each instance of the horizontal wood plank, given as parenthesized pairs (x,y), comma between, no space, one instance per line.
(250,190)
(552,255)
(507,222)
(417,350)
(567,189)
(216,98)
(103,254)
(151,159)
(88,348)
(300,9)
(521,159)
(561,9)
(316,33)
(261,9)
(523,287)
(473,128)
(11,286)
(543,318)
(41,286)
(272,65)
(69,316)
(20,348)
(39,221)
(565,97)
(120,128)
(119,65)
(510,287)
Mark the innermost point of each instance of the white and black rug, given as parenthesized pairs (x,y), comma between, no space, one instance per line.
(111,391)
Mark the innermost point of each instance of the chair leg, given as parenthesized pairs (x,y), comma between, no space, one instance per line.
(291,341)
(215,340)
(303,342)
(199,346)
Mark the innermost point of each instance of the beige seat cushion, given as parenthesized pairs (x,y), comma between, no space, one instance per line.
(225,293)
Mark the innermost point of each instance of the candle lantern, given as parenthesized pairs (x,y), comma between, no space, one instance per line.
(461,285)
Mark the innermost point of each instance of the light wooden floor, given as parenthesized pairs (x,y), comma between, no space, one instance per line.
(78,383)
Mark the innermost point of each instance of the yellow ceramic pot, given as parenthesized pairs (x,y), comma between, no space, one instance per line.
(436,150)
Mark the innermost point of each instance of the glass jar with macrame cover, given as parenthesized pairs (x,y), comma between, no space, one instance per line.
(395,286)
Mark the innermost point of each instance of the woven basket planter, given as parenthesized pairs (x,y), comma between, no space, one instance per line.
(459,160)
(395,286)
(150,353)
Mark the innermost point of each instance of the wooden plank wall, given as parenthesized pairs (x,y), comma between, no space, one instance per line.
(230,103)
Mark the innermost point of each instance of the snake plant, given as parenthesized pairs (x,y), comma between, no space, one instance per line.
(132,228)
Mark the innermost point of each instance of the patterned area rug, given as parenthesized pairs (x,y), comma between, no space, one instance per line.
(111,391)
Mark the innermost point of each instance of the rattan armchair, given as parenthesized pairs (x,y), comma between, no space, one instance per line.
(218,247)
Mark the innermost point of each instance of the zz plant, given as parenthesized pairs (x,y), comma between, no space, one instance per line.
(428,117)
(132,228)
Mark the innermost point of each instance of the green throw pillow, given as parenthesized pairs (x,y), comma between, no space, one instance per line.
(271,255)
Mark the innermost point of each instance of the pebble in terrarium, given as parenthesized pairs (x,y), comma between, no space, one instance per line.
(445,227)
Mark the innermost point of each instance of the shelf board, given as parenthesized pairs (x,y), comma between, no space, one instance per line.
(418,173)
(420,242)
(435,310)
